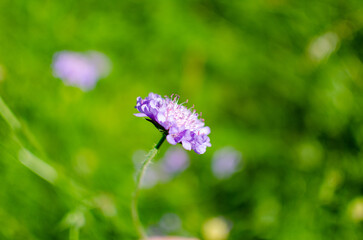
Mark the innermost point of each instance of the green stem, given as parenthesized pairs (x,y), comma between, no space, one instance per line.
(135,215)
(161,141)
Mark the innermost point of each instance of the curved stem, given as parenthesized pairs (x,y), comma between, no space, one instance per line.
(135,215)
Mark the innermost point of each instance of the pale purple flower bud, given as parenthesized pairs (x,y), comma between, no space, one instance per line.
(226,162)
(179,123)
(82,70)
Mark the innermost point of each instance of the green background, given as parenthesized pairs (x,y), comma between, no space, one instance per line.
(281,81)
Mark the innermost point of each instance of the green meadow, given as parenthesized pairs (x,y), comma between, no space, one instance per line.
(280,82)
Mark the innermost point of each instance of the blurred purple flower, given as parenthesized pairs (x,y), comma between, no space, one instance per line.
(180,124)
(226,162)
(82,70)
(151,177)
(175,160)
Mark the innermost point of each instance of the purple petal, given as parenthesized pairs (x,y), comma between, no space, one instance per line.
(205,130)
(140,114)
(187,145)
(161,117)
(170,139)
(200,149)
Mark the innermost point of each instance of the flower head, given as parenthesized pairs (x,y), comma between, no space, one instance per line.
(82,70)
(180,124)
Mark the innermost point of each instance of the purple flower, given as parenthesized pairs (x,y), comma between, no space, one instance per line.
(179,123)
(175,160)
(226,162)
(82,70)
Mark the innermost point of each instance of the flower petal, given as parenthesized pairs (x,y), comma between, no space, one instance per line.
(200,149)
(187,145)
(161,117)
(140,114)
(205,130)
(170,139)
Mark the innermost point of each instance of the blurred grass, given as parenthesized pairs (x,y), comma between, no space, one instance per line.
(267,78)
